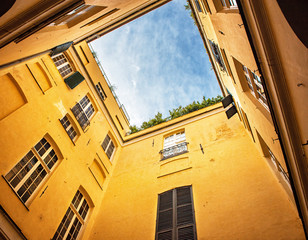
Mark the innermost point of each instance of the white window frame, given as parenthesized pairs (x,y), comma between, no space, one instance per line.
(63,72)
(174,144)
(26,178)
(255,86)
(76,215)
(174,139)
(229,3)
(87,112)
(108,145)
(70,127)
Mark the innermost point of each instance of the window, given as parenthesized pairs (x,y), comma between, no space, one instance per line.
(260,90)
(108,146)
(73,219)
(29,172)
(228,3)
(217,55)
(100,91)
(198,5)
(255,86)
(67,125)
(174,145)
(175,215)
(248,79)
(62,64)
(278,166)
(83,111)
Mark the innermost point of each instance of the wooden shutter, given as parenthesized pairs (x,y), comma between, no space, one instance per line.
(73,80)
(175,215)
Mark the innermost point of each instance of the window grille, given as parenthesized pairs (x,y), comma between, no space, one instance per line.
(174,145)
(217,55)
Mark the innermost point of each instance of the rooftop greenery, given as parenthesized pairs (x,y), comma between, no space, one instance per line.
(175,113)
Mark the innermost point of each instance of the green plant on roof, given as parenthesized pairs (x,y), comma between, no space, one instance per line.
(175,113)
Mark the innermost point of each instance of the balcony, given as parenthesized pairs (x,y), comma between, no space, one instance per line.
(174,150)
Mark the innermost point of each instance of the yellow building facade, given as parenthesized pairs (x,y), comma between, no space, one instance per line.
(68,167)
(70,170)
(255,63)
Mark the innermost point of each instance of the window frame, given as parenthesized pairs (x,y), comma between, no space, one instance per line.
(226,6)
(76,215)
(255,86)
(80,111)
(71,125)
(106,146)
(176,145)
(28,167)
(218,56)
(66,62)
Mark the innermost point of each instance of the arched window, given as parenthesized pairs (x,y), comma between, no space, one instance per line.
(75,216)
(28,174)
(62,64)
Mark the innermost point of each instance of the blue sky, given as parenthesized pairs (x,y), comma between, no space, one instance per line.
(157,62)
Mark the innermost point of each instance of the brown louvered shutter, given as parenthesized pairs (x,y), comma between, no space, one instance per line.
(175,215)
(185,216)
(165,216)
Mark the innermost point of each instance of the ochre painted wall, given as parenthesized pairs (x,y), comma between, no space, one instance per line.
(235,194)
(25,125)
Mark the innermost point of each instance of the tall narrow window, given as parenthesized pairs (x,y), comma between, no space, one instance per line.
(217,55)
(69,128)
(29,172)
(198,5)
(73,219)
(278,166)
(228,3)
(83,111)
(260,90)
(62,64)
(175,215)
(255,86)
(108,146)
(174,144)
(248,79)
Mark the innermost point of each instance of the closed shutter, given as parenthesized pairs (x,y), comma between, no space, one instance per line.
(175,215)
(73,80)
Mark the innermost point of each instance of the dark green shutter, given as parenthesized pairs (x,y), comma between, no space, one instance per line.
(60,48)
(73,80)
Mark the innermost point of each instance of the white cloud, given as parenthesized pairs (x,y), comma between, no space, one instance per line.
(157,62)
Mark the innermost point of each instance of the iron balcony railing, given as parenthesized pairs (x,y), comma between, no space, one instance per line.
(174,150)
(121,106)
